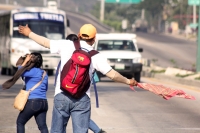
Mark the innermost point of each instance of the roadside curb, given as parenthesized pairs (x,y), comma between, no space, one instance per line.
(179,37)
(173,79)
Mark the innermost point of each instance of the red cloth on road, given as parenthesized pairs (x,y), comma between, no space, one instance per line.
(164,91)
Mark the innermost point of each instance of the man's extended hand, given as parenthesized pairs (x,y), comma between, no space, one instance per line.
(133,82)
(25,30)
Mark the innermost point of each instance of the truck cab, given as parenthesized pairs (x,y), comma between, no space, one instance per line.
(122,53)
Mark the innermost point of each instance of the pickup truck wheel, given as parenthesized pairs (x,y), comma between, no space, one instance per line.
(50,72)
(3,71)
(137,76)
(129,76)
(12,71)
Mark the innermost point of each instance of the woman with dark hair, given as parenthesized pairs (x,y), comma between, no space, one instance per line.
(30,69)
(39,61)
(36,105)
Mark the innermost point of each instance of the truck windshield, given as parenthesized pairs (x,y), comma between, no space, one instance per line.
(48,29)
(126,45)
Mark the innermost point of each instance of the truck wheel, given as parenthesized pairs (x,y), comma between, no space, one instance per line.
(129,76)
(137,76)
(12,71)
(3,71)
(7,71)
(50,72)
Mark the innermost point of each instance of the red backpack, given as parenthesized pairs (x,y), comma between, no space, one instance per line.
(75,78)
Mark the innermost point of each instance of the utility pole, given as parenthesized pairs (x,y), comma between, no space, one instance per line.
(7,1)
(102,10)
(45,3)
(198,46)
(58,3)
(194,14)
(142,14)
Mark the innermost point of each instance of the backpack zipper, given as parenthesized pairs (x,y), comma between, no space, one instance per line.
(76,73)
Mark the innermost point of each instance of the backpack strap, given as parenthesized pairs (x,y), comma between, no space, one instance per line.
(35,86)
(57,71)
(77,45)
(95,88)
(93,52)
(96,93)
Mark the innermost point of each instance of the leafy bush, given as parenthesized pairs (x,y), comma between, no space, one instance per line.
(157,71)
(182,76)
(197,78)
(115,24)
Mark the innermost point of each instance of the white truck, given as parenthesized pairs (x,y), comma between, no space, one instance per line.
(141,25)
(122,53)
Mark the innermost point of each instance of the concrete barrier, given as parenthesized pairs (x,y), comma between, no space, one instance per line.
(175,71)
(171,78)
(183,81)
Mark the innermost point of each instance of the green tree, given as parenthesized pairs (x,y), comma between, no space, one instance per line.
(115,13)
(180,12)
(154,12)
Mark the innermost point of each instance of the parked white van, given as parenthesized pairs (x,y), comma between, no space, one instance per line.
(122,53)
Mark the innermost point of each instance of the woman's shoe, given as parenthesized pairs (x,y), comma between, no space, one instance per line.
(102,131)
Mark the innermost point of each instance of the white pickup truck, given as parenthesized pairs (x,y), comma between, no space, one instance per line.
(122,53)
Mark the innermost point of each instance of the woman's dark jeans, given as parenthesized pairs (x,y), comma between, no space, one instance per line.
(37,108)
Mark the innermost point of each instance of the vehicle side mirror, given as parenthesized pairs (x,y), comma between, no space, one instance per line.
(68,23)
(140,49)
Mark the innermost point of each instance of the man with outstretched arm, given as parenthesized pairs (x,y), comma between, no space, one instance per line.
(65,105)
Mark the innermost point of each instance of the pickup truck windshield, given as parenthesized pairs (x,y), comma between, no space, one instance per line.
(126,45)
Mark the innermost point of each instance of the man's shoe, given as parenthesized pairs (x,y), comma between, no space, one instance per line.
(102,131)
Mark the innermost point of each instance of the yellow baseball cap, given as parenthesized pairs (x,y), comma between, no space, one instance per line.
(87,31)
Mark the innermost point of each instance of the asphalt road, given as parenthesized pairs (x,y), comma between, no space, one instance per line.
(77,20)
(168,50)
(121,109)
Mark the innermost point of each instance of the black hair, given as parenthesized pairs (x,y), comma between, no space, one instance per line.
(87,40)
(72,37)
(86,36)
(39,60)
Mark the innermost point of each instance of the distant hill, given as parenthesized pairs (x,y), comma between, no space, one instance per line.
(73,5)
